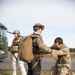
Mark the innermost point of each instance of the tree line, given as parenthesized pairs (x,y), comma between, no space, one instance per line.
(71,49)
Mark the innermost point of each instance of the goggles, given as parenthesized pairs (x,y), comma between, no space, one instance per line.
(42,27)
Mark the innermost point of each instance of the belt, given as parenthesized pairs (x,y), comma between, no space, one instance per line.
(61,64)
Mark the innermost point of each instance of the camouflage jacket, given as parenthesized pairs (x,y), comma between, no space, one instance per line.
(16,41)
(64,58)
(15,45)
(39,46)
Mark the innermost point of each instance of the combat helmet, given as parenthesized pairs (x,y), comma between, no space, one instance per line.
(37,26)
(16,32)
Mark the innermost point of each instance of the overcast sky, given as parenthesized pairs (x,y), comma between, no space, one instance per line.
(58,17)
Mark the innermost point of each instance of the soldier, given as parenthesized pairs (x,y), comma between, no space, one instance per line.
(34,67)
(63,63)
(14,51)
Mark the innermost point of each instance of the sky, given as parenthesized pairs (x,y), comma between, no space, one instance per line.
(58,17)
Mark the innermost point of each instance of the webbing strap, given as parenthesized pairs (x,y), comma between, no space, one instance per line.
(15,57)
(35,64)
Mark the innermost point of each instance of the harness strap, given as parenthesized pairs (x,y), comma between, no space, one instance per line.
(35,64)
(15,57)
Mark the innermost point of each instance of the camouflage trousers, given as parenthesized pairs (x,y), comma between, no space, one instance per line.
(59,70)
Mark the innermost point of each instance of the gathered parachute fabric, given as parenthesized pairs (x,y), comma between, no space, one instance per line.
(26,48)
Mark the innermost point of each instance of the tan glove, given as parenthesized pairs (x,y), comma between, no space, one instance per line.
(54,55)
(10,55)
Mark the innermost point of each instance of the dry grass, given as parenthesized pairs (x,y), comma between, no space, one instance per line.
(9,72)
(43,72)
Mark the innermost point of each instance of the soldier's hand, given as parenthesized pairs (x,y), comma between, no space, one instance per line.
(54,55)
(10,55)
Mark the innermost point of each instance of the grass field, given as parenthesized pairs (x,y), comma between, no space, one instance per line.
(43,72)
(9,72)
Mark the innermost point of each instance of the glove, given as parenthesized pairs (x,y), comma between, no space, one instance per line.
(10,55)
(54,55)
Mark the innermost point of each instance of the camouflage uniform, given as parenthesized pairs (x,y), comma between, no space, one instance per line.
(34,67)
(63,63)
(15,43)
(38,47)
(15,58)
